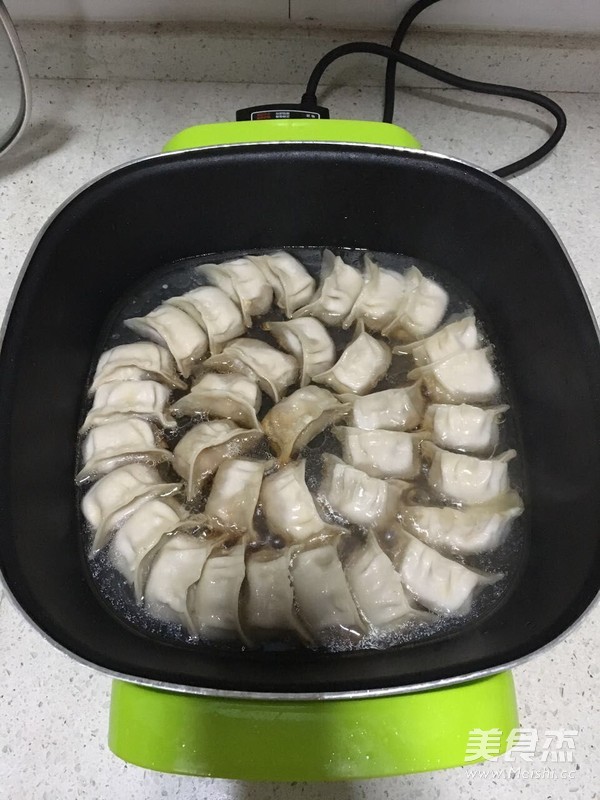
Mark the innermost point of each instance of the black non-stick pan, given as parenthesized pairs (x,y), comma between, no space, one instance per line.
(138,218)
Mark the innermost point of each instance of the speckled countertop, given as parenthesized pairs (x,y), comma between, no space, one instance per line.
(53,712)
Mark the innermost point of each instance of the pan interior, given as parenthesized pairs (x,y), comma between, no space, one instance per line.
(181,276)
(116,232)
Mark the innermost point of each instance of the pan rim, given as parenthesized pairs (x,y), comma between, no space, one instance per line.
(293,696)
(352,694)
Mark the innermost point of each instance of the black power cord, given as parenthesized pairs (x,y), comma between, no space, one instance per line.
(407,20)
(394,57)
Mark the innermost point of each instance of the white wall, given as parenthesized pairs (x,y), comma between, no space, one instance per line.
(581,16)
(574,16)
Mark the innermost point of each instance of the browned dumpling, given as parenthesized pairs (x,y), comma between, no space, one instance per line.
(274,371)
(308,341)
(205,446)
(234,495)
(295,421)
(330,610)
(228,395)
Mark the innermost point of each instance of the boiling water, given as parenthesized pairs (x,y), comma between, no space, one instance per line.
(180,277)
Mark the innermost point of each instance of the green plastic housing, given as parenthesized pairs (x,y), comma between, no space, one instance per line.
(291,130)
(317,740)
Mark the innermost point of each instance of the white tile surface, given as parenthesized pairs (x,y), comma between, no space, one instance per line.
(53,713)
(152,10)
(535,15)
(286,55)
(580,17)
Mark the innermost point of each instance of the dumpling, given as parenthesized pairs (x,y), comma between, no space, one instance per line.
(391,409)
(358,497)
(177,564)
(137,362)
(139,534)
(421,310)
(381,294)
(453,338)
(244,282)
(466,377)
(340,284)
(437,582)
(211,308)
(466,479)
(362,365)
(205,446)
(118,488)
(382,454)
(322,596)
(308,341)
(466,428)
(293,422)
(234,495)
(115,444)
(288,506)
(172,328)
(117,495)
(214,600)
(268,595)
(120,400)
(275,371)
(375,585)
(292,285)
(476,529)
(228,396)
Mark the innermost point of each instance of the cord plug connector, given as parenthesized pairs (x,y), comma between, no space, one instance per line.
(301,110)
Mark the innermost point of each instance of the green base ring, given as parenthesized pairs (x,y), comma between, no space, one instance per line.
(329,740)
(291,130)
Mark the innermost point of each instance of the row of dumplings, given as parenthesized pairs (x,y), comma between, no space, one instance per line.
(218,588)
(404,307)
(316,582)
(311,579)
(173,569)
(135,381)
